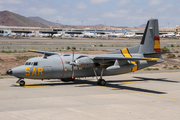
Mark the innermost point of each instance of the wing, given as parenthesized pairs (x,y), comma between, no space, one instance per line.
(126,58)
(105,60)
(44,52)
(119,58)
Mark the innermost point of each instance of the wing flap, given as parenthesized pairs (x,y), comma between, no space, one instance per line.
(108,59)
(125,58)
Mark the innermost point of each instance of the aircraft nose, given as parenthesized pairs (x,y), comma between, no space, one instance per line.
(9,72)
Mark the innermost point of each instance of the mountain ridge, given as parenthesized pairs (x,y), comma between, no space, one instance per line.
(43,21)
(8,18)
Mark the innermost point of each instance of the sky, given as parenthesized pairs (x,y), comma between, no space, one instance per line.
(92,12)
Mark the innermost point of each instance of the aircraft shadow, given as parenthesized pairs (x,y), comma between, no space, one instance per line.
(90,83)
(114,86)
(160,80)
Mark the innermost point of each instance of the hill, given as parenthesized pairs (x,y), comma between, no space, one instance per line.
(12,19)
(143,25)
(43,21)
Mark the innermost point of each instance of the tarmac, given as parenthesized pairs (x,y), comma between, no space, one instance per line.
(135,96)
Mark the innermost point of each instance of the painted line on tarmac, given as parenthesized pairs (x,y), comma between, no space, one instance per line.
(34,85)
(133,82)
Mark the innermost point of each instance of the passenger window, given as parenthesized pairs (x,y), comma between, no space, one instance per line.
(35,63)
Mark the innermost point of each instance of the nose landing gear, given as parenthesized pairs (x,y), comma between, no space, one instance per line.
(21,82)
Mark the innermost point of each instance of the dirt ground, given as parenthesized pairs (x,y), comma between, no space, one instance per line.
(10,60)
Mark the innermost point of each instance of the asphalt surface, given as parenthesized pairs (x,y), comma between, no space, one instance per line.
(146,96)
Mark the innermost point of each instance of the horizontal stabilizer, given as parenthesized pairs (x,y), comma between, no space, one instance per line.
(152,59)
(44,52)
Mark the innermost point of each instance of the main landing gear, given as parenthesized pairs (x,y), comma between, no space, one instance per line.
(67,80)
(100,81)
(21,82)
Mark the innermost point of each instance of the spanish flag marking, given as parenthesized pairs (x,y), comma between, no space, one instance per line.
(157,47)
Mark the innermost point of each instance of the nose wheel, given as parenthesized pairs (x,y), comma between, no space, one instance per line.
(21,82)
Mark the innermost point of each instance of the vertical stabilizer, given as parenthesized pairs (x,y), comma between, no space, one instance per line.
(150,42)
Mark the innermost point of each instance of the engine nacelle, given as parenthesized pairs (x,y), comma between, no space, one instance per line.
(84,62)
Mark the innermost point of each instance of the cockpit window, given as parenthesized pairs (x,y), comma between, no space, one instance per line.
(35,63)
(29,63)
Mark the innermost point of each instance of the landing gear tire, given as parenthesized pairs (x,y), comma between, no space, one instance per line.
(22,83)
(101,82)
(67,80)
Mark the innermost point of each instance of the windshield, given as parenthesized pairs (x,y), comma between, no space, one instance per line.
(29,63)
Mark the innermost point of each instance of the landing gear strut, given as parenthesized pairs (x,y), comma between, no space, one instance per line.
(21,82)
(100,81)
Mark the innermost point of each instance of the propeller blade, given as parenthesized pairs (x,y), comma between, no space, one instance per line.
(72,71)
(73,64)
(73,55)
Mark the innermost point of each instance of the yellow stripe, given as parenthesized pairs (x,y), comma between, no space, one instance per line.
(157,44)
(134,68)
(125,52)
(132,81)
(34,85)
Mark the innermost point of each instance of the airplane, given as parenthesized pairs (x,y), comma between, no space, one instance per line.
(7,34)
(118,34)
(130,34)
(178,34)
(171,34)
(44,35)
(65,34)
(59,34)
(88,34)
(33,34)
(67,67)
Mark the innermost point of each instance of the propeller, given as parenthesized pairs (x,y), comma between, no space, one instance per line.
(72,63)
